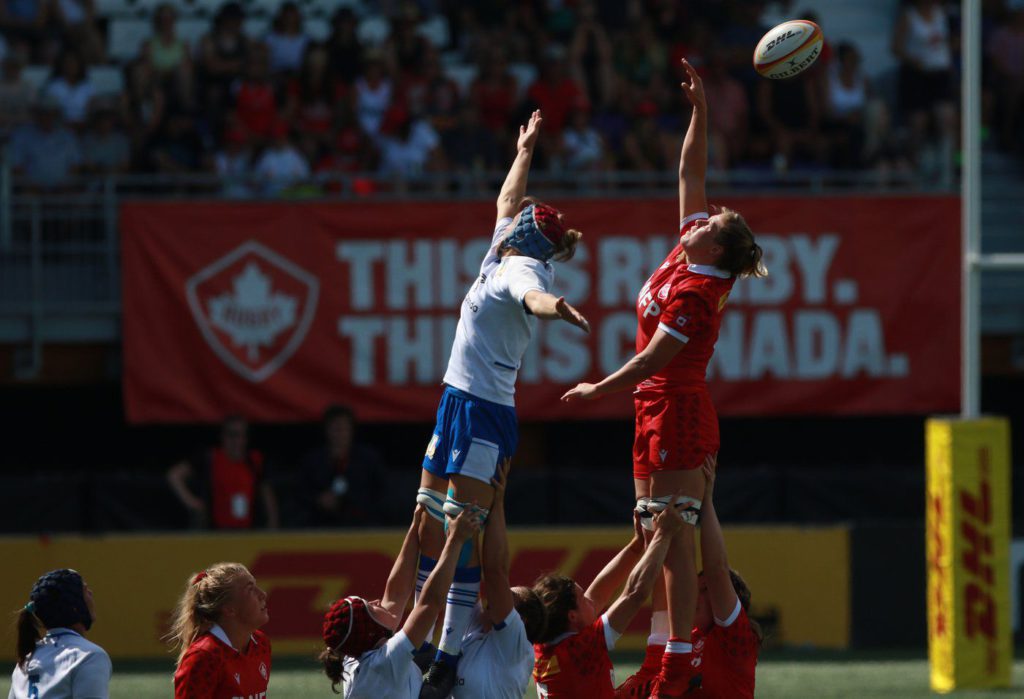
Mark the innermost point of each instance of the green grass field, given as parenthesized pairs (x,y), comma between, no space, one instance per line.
(779,676)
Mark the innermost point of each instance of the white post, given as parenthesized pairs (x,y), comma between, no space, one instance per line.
(970,202)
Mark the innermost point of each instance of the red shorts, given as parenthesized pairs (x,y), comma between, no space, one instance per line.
(674,432)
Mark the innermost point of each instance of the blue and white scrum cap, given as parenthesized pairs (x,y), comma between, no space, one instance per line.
(537,232)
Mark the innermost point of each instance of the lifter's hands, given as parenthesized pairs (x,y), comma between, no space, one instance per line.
(466,525)
(528,134)
(694,89)
(710,469)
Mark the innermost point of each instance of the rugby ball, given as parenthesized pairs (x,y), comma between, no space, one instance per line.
(788,49)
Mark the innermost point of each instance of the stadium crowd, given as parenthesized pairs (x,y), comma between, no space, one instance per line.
(406,89)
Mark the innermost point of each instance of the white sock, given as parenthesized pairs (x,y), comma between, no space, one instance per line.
(679,647)
(462,597)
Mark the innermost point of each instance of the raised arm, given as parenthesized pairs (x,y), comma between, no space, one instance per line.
(435,590)
(495,553)
(693,160)
(648,571)
(712,549)
(617,570)
(514,188)
(402,579)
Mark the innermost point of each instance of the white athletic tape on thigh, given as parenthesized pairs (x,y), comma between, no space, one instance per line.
(432,501)
(689,509)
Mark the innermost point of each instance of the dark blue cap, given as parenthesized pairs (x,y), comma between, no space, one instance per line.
(59,598)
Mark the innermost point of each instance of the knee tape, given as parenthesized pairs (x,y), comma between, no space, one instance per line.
(689,509)
(432,501)
(453,508)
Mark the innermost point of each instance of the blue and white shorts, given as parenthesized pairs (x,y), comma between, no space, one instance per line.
(472,436)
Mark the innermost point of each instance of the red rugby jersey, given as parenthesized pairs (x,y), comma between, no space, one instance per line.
(578,665)
(726,658)
(212,669)
(686,301)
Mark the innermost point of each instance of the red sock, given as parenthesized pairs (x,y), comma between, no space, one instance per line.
(676,661)
(652,659)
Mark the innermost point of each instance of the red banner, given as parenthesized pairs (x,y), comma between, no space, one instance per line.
(278,309)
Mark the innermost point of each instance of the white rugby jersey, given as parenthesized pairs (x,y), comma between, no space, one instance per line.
(495,664)
(494,327)
(387,671)
(64,665)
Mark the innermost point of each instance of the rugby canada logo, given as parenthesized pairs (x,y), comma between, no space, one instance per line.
(254,308)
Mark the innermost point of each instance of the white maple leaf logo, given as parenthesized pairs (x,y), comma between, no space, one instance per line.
(252,314)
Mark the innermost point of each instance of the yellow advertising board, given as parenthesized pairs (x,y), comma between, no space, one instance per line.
(968,549)
(799,577)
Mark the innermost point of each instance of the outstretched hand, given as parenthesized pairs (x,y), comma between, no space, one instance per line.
(709,467)
(528,134)
(500,481)
(582,391)
(571,315)
(694,89)
(466,525)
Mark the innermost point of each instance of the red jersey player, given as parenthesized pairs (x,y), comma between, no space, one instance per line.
(223,653)
(679,312)
(725,640)
(572,660)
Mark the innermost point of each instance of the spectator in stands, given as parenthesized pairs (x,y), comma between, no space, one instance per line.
(15,96)
(105,149)
(645,147)
(921,42)
(28,20)
(1006,51)
(233,164)
(373,93)
(169,55)
(789,114)
(471,147)
(352,151)
(852,116)
(727,133)
(311,99)
(223,57)
(255,98)
(339,479)
(46,152)
(582,147)
(554,92)
(343,46)
(286,41)
(177,147)
(143,106)
(407,48)
(282,165)
(70,88)
(494,94)
(430,94)
(219,487)
(77,21)
(590,56)
(638,53)
(409,148)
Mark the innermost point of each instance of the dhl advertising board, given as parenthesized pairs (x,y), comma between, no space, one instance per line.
(800,577)
(968,552)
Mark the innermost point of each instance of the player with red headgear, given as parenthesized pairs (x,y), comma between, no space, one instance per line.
(679,311)
(363,649)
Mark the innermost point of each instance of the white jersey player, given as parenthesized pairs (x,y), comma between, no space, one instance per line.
(62,664)
(476,420)
(363,651)
(497,651)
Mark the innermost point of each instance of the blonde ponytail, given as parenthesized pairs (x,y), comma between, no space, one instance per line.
(199,607)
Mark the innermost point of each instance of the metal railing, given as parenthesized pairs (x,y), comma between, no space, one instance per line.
(59,261)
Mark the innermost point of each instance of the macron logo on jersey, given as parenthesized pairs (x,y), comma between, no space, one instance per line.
(663,453)
(455,454)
